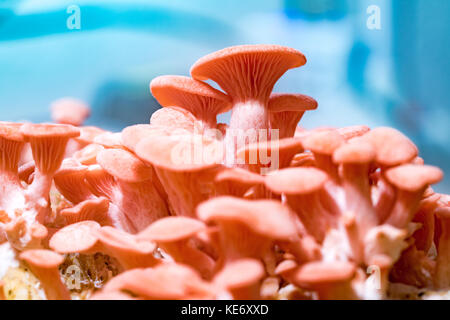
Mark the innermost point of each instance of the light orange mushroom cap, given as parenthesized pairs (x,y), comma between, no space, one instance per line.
(79,237)
(88,134)
(323,141)
(93,209)
(174,120)
(280,102)
(124,165)
(248,71)
(171,229)
(316,273)
(48,142)
(296,180)
(412,178)
(392,147)
(268,218)
(199,98)
(11,145)
(132,135)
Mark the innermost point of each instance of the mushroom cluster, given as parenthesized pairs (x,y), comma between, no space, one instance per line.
(189,208)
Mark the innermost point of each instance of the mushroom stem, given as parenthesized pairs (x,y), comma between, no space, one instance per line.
(442,273)
(44,264)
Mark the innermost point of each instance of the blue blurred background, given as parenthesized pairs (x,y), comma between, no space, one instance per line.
(394,76)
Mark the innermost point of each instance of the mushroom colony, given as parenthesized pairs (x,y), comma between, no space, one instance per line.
(184,207)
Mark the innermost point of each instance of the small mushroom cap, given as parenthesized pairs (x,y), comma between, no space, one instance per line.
(286,266)
(132,135)
(88,134)
(316,273)
(171,229)
(353,131)
(296,180)
(247,71)
(44,130)
(392,147)
(115,238)
(124,165)
(42,258)
(70,111)
(92,209)
(11,131)
(180,153)
(109,139)
(174,119)
(413,177)
(280,102)
(266,217)
(240,176)
(195,96)
(354,153)
(323,141)
(77,237)
(240,273)
(88,155)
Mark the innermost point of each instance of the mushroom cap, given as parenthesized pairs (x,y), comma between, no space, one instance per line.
(124,165)
(109,139)
(70,111)
(284,148)
(195,96)
(88,155)
(92,209)
(316,273)
(247,71)
(42,258)
(45,130)
(240,273)
(240,176)
(392,147)
(286,266)
(296,180)
(266,217)
(413,177)
(11,131)
(354,153)
(171,229)
(132,135)
(280,102)
(174,120)
(353,131)
(180,153)
(323,141)
(88,134)
(118,239)
(77,237)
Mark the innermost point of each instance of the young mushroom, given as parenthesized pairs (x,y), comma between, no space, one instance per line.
(248,228)
(70,111)
(247,73)
(199,98)
(44,264)
(174,235)
(286,110)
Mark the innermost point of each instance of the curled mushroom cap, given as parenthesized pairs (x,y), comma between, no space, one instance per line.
(392,147)
(88,155)
(79,237)
(264,64)
(109,140)
(93,209)
(132,135)
(88,134)
(266,217)
(172,229)
(174,119)
(124,165)
(199,98)
(354,153)
(69,180)
(48,142)
(236,181)
(242,278)
(353,131)
(44,264)
(280,102)
(296,180)
(266,156)
(70,111)
(412,177)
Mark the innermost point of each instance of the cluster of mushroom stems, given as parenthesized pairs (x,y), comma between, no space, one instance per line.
(194,209)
